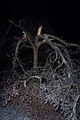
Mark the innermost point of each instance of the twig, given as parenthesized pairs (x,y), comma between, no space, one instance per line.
(58,66)
(73,115)
(37,77)
(16,55)
(50,55)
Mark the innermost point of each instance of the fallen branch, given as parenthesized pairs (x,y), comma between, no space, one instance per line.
(73,115)
(37,77)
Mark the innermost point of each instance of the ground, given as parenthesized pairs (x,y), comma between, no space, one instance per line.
(52,99)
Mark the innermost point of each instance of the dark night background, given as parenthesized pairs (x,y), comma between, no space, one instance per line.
(63,17)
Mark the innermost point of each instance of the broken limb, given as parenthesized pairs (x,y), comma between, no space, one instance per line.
(48,37)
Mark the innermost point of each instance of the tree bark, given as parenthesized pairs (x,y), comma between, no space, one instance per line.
(35,63)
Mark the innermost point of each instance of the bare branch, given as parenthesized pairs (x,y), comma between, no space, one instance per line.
(37,77)
(50,56)
(47,36)
(27,36)
(16,56)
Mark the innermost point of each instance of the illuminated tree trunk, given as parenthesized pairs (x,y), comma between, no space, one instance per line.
(35,63)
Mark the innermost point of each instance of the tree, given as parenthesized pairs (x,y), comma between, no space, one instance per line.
(54,90)
(58,45)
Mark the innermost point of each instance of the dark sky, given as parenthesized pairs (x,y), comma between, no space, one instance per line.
(65,15)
